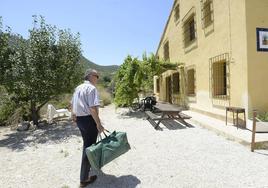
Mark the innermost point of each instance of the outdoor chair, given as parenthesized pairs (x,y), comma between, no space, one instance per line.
(149,103)
(52,113)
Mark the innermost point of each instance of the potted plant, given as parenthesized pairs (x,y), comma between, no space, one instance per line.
(261,122)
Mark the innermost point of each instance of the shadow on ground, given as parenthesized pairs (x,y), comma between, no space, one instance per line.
(262,152)
(175,125)
(132,114)
(172,125)
(111,181)
(169,124)
(54,133)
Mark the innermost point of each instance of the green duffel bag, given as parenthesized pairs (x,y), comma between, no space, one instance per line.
(107,149)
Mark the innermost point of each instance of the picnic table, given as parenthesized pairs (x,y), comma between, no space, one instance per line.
(167,112)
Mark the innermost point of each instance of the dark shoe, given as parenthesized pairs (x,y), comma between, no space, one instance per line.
(90,180)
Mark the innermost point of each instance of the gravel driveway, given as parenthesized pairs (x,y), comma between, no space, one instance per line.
(175,157)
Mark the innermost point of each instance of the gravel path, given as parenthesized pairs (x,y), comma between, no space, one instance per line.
(173,158)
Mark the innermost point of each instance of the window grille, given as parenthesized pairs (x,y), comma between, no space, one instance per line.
(189,31)
(219,78)
(166,51)
(177,12)
(176,82)
(157,85)
(190,82)
(207,13)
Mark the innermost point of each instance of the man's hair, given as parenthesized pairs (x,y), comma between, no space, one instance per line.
(89,72)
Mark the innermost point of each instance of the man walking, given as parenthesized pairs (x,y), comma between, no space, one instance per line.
(85,109)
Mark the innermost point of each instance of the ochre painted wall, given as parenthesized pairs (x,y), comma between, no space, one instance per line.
(227,34)
(256,16)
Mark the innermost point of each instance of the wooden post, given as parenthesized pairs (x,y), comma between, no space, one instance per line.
(226,116)
(253,131)
(237,119)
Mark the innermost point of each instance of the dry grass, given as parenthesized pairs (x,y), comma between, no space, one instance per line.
(105,96)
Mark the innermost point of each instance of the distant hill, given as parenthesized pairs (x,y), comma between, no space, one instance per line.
(104,70)
(107,71)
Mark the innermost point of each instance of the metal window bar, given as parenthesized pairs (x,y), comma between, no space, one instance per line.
(219,79)
(189,31)
(177,12)
(176,83)
(166,51)
(157,85)
(191,82)
(207,13)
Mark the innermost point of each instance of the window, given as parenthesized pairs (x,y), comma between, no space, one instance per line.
(166,51)
(207,13)
(219,76)
(177,12)
(191,82)
(157,85)
(176,82)
(189,31)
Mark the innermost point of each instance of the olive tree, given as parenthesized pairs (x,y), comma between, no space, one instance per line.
(4,51)
(135,76)
(42,67)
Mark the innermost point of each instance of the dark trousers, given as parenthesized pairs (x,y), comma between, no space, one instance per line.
(89,132)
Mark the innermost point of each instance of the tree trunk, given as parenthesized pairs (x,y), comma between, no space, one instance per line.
(34,113)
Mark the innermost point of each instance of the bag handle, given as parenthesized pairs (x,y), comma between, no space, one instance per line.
(99,134)
(106,131)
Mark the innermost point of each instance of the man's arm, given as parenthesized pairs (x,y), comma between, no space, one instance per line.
(95,114)
(70,108)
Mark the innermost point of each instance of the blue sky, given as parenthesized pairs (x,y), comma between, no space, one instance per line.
(110,29)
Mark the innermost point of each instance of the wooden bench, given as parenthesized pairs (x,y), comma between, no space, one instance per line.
(152,118)
(151,115)
(184,116)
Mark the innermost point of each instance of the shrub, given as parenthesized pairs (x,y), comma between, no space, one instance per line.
(7,107)
(6,111)
(105,96)
(263,116)
(63,101)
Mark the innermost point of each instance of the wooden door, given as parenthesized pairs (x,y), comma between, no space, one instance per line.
(168,90)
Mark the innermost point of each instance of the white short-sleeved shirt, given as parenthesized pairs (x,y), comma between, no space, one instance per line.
(84,97)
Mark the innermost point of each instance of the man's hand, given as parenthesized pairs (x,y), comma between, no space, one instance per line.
(100,128)
(74,118)
(94,112)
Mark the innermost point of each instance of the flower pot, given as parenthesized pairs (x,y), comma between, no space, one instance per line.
(261,127)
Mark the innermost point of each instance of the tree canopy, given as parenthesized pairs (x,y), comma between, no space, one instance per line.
(135,76)
(46,65)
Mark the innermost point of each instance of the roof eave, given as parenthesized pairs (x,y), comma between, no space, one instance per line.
(163,34)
